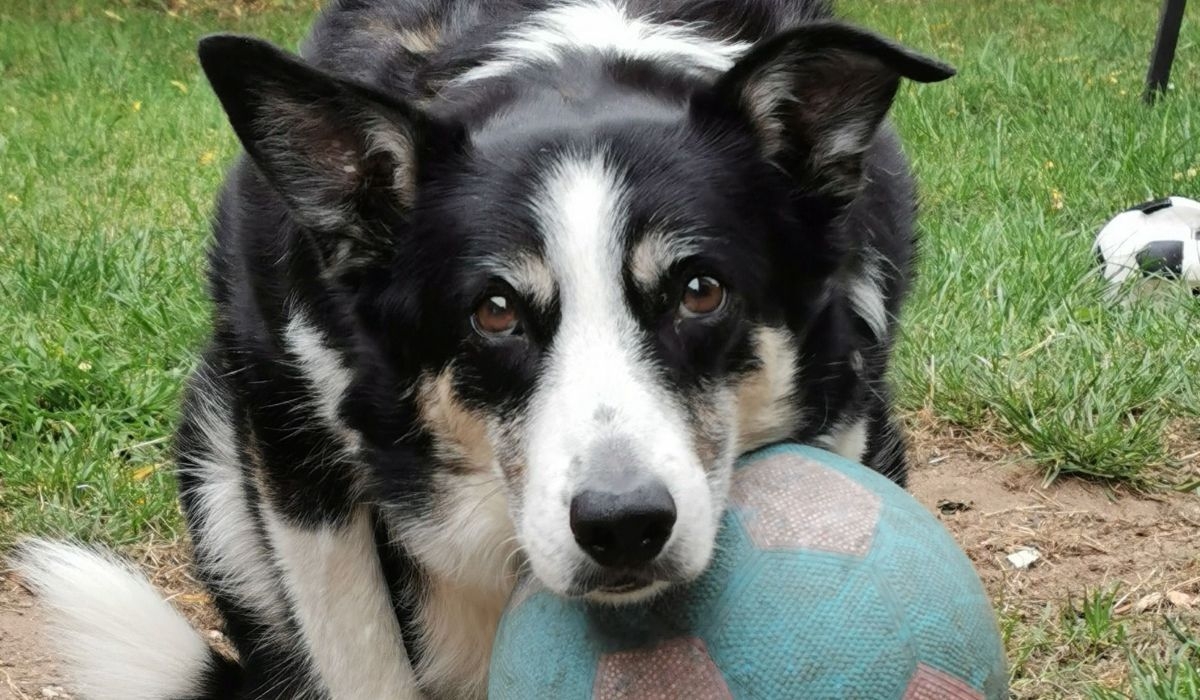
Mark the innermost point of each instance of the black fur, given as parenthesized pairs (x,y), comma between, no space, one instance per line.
(384,255)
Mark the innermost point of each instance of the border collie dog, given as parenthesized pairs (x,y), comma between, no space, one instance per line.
(503,288)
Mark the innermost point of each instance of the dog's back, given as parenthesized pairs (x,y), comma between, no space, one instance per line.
(413,47)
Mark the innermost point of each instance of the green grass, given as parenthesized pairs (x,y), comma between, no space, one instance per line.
(112,147)
(1085,649)
(1022,158)
(111,150)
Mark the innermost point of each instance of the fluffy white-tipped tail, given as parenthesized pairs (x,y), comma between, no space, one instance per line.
(115,636)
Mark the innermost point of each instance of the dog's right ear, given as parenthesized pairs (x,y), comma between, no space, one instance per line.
(816,95)
(325,144)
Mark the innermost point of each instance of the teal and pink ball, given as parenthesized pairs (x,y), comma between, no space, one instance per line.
(828,581)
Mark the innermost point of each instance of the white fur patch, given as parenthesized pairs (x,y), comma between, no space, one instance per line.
(458,625)
(849,441)
(605,26)
(226,536)
(342,606)
(867,300)
(470,540)
(383,137)
(116,636)
(595,369)
(470,552)
(848,138)
(325,372)
(467,547)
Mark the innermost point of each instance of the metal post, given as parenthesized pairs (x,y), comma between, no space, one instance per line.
(1163,54)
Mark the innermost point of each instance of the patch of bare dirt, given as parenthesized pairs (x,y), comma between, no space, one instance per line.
(1092,539)
(26,668)
(1089,535)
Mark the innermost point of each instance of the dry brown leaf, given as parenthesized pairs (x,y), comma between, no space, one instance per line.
(1180,599)
(1147,601)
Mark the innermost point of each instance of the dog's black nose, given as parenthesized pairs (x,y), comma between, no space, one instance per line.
(623,527)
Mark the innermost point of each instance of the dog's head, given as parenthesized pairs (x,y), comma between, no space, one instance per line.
(593,277)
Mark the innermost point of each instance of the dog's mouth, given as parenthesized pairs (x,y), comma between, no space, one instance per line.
(611,584)
(624,586)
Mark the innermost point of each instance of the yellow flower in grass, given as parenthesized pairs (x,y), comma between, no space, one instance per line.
(207,157)
(143,473)
(85,366)
(1056,198)
(137,105)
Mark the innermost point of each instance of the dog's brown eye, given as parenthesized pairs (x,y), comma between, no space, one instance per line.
(496,315)
(702,296)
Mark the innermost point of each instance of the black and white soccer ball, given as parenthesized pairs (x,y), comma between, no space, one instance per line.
(1159,240)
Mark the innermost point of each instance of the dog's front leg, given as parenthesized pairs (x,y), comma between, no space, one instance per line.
(342,606)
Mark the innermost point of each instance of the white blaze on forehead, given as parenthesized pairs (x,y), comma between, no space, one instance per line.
(599,382)
(607,27)
(581,211)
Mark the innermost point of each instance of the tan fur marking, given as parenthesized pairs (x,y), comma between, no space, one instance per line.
(529,275)
(762,99)
(460,435)
(419,40)
(766,412)
(468,547)
(383,137)
(422,40)
(711,432)
(655,253)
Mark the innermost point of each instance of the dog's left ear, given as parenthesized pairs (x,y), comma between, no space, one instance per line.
(337,152)
(816,95)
